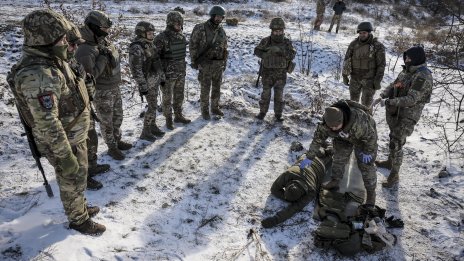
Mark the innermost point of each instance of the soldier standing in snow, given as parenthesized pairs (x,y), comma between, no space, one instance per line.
(74,39)
(56,107)
(101,59)
(172,48)
(145,65)
(350,125)
(339,7)
(320,9)
(365,63)
(404,101)
(276,53)
(208,53)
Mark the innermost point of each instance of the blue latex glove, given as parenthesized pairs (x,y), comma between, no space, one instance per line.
(365,158)
(304,163)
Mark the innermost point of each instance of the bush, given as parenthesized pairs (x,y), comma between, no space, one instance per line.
(232,21)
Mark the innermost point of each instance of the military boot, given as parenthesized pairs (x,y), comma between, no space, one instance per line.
(181,119)
(115,153)
(122,145)
(370,197)
(217,111)
(156,131)
(92,210)
(100,168)
(386,164)
(206,116)
(260,116)
(392,180)
(279,118)
(89,228)
(93,184)
(147,134)
(333,184)
(169,123)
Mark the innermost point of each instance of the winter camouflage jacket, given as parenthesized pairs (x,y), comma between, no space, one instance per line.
(359,129)
(280,60)
(101,59)
(409,93)
(366,60)
(203,35)
(53,101)
(172,48)
(144,62)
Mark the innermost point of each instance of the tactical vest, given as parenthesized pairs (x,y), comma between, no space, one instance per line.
(405,79)
(74,103)
(275,61)
(363,60)
(217,52)
(177,50)
(150,63)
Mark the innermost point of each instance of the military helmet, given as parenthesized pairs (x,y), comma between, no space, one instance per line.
(143,27)
(173,18)
(74,35)
(98,18)
(44,27)
(277,23)
(217,10)
(365,26)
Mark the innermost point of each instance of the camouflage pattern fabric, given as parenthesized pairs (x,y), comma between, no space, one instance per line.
(367,64)
(58,104)
(44,27)
(173,96)
(92,145)
(364,87)
(320,9)
(360,132)
(143,56)
(212,68)
(108,104)
(407,96)
(335,19)
(274,78)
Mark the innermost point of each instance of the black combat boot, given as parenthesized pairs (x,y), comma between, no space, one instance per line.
(100,168)
(181,119)
(332,185)
(147,134)
(89,228)
(122,145)
(92,210)
(115,153)
(156,131)
(279,118)
(169,123)
(93,184)
(217,111)
(392,180)
(260,116)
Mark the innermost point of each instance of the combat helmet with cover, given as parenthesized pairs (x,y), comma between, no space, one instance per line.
(74,35)
(98,18)
(277,23)
(44,27)
(217,10)
(365,26)
(142,28)
(174,18)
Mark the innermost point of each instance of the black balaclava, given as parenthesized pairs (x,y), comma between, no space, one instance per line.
(97,31)
(416,54)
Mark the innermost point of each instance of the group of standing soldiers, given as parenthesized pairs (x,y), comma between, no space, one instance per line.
(64,68)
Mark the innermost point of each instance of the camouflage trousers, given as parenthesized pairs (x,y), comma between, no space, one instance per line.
(173,96)
(365,86)
(210,78)
(273,79)
(152,101)
(341,157)
(71,186)
(108,104)
(92,145)
(318,21)
(400,129)
(335,19)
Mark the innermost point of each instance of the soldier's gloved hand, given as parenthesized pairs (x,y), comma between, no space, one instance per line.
(394,222)
(365,158)
(346,80)
(274,50)
(305,163)
(377,85)
(69,165)
(104,50)
(269,222)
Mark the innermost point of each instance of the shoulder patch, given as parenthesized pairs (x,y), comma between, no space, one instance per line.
(46,100)
(418,83)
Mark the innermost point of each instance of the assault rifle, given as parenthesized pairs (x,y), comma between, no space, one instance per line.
(259,73)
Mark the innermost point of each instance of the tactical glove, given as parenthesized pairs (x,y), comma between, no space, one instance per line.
(305,163)
(346,80)
(377,85)
(394,222)
(269,222)
(69,165)
(365,158)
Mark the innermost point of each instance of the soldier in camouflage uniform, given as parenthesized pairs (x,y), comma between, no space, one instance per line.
(101,59)
(55,104)
(365,62)
(350,125)
(276,53)
(146,69)
(339,7)
(320,9)
(208,53)
(74,39)
(404,101)
(172,48)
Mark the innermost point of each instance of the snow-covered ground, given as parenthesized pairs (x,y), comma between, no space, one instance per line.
(200,192)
